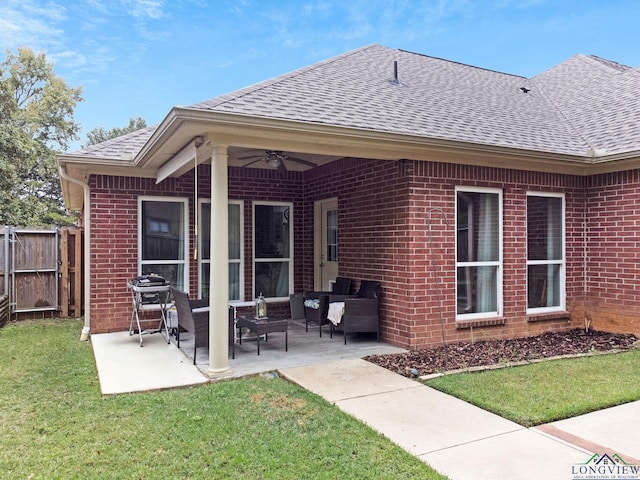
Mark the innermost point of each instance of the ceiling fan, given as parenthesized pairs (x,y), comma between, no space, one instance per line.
(276,159)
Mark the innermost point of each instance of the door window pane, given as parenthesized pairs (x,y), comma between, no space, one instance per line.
(332,236)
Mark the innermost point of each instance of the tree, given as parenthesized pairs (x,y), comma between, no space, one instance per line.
(36,122)
(100,134)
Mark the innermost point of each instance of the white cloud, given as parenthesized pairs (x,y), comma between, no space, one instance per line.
(23,23)
(152,9)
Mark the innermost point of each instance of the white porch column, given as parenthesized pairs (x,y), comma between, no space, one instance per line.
(219,268)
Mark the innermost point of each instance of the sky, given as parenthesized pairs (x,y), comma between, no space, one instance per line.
(139,58)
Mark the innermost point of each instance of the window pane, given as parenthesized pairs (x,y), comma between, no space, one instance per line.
(271,231)
(543,283)
(205,231)
(332,236)
(204,281)
(544,228)
(162,230)
(234,281)
(173,273)
(477,289)
(272,279)
(478,227)
(234,231)
(234,249)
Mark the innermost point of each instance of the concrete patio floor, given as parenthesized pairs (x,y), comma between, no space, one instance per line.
(125,367)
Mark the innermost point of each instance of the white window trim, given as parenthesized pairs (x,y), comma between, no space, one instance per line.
(499,263)
(202,261)
(562,262)
(185,261)
(291,253)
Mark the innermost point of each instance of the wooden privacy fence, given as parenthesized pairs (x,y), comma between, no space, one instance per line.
(41,270)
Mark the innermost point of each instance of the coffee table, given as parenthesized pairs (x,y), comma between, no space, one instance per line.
(261,326)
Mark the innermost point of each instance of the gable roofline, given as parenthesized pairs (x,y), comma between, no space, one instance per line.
(462,64)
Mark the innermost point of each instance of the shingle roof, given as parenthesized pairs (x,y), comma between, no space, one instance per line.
(585,102)
(124,147)
(599,98)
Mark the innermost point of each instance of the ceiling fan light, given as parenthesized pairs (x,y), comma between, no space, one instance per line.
(274,162)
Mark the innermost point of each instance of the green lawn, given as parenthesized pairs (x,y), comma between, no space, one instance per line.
(56,424)
(544,392)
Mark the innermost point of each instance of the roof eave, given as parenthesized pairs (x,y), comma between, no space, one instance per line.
(314,138)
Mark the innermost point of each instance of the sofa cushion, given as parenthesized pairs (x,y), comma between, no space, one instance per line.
(313,303)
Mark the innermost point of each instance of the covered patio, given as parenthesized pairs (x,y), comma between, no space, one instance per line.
(422,181)
(159,365)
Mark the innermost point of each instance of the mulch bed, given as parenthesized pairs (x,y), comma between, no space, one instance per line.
(495,352)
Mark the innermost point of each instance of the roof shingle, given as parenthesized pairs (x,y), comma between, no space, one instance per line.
(585,102)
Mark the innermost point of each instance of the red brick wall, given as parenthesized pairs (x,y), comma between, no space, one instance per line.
(397,225)
(384,208)
(114,231)
(114,243)
(613,250)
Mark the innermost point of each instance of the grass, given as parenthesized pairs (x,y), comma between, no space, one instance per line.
(56,424)
(548,391)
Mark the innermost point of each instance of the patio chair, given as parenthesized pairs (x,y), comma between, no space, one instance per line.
(316,303)
(360,312)
(195,323)
(342,286)
(316,306)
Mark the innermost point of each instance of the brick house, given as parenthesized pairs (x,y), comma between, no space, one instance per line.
(486,203)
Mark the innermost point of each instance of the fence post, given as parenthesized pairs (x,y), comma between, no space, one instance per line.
(77,273)
(64,272)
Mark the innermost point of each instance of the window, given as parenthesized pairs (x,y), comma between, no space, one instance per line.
(236,276)
(162,238)
(331,254)
(478,253)
(273,249)
(545,252)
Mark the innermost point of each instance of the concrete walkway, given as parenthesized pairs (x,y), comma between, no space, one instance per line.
(463,441)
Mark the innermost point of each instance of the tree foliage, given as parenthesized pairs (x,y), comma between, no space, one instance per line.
(100,134)
(36,122)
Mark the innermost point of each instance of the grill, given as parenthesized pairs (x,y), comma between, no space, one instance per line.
(148,292)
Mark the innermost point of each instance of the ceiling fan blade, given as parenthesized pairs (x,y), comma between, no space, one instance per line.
(303,162)
(251,163)
(283,158)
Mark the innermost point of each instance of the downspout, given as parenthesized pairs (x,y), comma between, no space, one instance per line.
(585,253)
(594,153)
(86,329)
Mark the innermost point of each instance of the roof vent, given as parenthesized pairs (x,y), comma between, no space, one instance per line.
(395,80)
